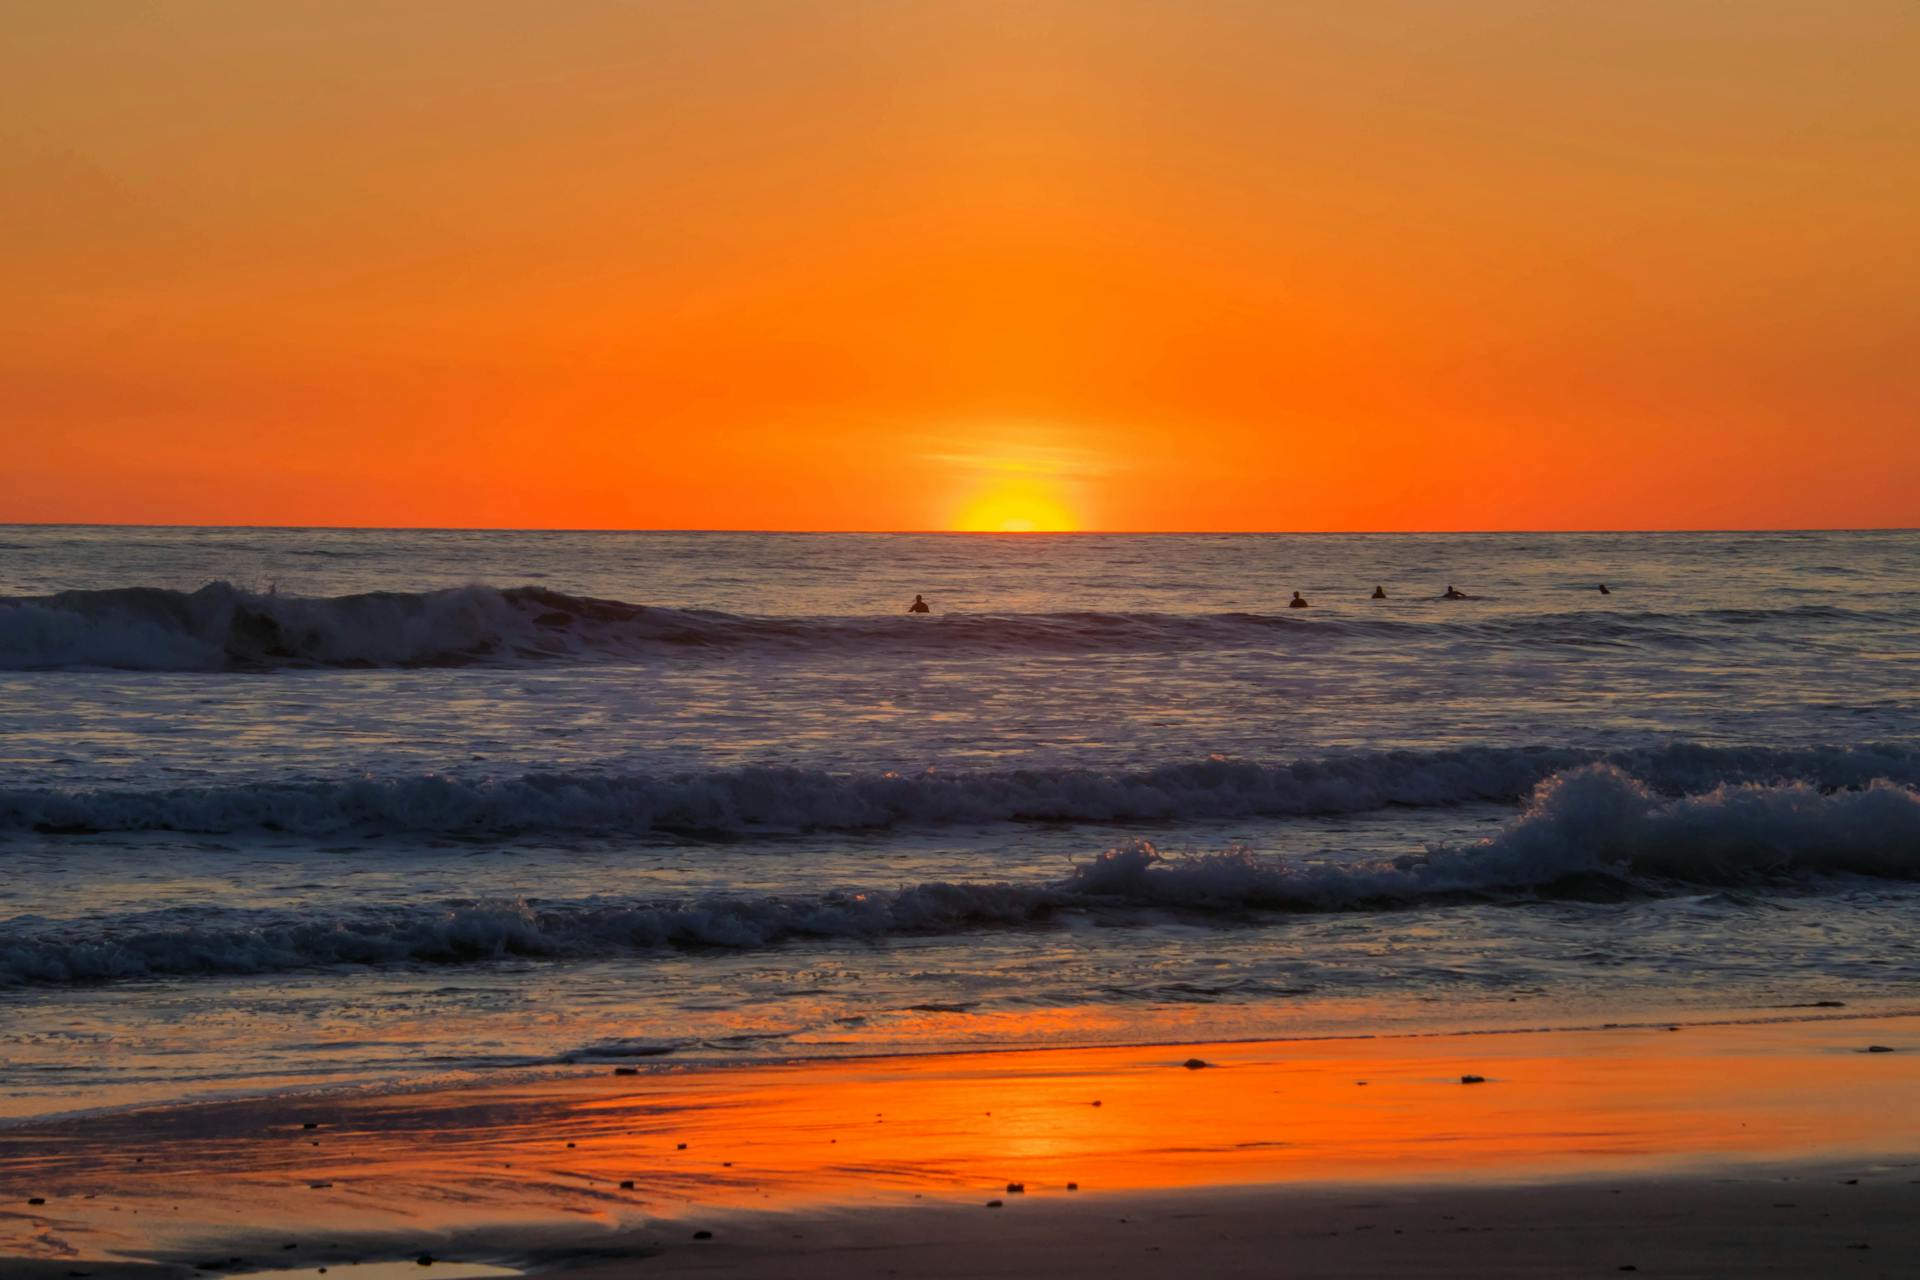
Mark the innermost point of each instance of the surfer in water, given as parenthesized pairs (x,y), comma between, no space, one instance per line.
(1604,591)
(1453,594)
(1298,602)
(919,605)
(1379,593)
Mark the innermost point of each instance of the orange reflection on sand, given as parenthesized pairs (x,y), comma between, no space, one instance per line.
(1125,1119)
(622,1148)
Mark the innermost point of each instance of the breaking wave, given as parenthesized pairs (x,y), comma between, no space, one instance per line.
(221,627)
(773,799)
(1587,830)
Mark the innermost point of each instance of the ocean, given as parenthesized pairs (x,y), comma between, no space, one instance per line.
(329,809)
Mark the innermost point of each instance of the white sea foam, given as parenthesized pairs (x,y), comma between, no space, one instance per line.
(1599,818)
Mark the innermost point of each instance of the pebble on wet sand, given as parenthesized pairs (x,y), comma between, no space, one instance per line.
(995,1204)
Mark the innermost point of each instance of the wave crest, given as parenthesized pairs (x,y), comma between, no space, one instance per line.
(766,799)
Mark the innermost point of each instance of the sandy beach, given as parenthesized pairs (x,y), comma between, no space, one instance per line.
(1780,1146)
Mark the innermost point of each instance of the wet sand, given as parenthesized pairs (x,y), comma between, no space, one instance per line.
(1771,1148)
(1786,1221)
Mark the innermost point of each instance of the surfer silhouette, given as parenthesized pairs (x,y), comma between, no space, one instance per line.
(1604,591)
(1379,593)
(1452,594)
(919,605)
(1298,602)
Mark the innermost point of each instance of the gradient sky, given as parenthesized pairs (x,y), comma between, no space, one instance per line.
(1223,264)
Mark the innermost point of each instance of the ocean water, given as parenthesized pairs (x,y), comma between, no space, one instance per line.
(311,809)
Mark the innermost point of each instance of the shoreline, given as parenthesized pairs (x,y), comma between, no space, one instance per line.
(669,1061)
(547,1171)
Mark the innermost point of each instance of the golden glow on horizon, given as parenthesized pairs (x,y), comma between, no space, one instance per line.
(1016,506)
(1022,476)
(1276,264)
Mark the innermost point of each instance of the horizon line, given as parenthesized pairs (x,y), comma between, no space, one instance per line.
(952,533)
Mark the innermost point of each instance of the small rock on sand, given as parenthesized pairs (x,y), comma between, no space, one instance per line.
(37,1200)
(1879,1048)
(995,1204)
(1473,1079)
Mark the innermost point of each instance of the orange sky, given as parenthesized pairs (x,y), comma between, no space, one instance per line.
(1224,264)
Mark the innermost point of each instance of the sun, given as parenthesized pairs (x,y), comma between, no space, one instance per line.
(1016,506)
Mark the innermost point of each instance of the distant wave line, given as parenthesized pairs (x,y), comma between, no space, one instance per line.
(221,627)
